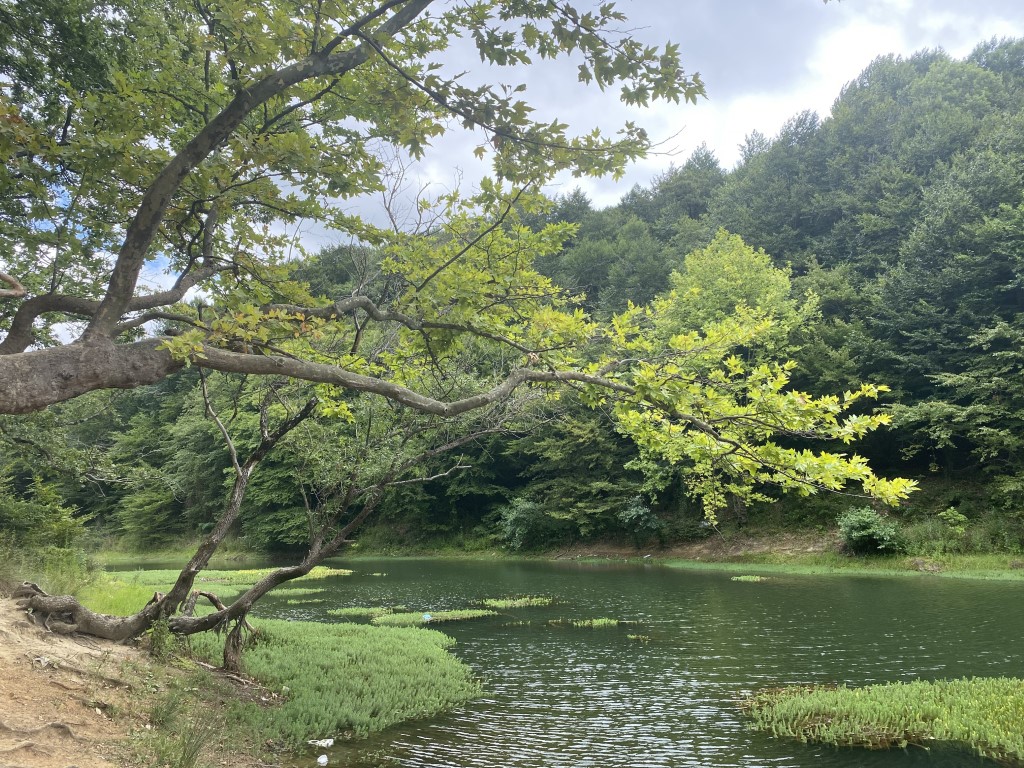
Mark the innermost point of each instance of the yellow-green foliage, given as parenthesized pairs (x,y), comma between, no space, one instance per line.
(125,592)
(750,579)
(414,619)
(345,678)
(981,714)
(360,612)
(526,601)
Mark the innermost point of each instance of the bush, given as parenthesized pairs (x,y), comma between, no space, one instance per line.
(524,524)
(865,532)
(640,521)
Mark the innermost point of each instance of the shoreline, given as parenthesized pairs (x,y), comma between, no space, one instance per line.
(809,553)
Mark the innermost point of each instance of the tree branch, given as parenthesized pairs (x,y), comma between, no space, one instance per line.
(16,291)
(155,201)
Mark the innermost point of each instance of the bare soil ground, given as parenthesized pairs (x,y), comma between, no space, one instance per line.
(55,697)
(80,702)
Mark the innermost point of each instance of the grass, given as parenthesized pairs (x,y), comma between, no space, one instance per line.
(57,570)
(337,679)
(415,619)
(525,601)
(750,579)
(982,715)
(344,679)
(124,592)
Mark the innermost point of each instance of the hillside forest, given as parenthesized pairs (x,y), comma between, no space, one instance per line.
(882,243)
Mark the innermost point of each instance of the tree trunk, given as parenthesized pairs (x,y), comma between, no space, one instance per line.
(64,615)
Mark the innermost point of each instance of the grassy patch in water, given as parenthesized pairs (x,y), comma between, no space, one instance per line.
(586,623)
(524,601)
(414,619)
(360,612)
(749,579)
(344,679)
(983,715)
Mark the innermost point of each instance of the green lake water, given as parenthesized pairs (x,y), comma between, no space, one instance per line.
(559,696)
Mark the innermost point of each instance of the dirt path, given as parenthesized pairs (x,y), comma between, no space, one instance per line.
(55,697)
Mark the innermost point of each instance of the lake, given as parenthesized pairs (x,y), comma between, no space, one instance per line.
(562,696)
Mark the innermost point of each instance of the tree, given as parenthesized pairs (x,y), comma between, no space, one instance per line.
(250,127)
(245,118)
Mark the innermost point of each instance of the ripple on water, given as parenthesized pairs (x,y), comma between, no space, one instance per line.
(559,697)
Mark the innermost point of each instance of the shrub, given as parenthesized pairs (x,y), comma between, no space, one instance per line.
(865,532)
(524,524)
(641,522)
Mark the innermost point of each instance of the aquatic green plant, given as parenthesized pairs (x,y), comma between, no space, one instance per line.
(414,619)
(344,679)
(751,579)
(586,623)
(360,612)
(639,638)
(306,601)
(525,601)
(980,714)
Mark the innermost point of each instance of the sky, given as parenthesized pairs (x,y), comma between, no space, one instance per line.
(762,61)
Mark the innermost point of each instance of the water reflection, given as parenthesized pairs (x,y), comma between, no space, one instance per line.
(564,696)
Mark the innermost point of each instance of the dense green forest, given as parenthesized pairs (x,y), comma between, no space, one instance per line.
(882,243)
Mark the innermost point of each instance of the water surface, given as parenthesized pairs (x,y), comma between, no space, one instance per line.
(558,696)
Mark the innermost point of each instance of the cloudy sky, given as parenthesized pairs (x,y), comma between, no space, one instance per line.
(762,61)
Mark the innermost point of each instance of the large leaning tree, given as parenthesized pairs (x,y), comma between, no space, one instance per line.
(188,138)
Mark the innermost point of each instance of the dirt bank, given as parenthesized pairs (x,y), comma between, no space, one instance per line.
(56,697)
(80,702)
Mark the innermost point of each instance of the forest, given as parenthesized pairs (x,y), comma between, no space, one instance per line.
(875,251)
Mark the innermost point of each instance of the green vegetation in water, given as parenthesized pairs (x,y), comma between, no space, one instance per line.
(639,638)
(525,601)
(414,619)
(750,579)
(586,623)
(306,601)
(344,679)
(981,714)
(360,612)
